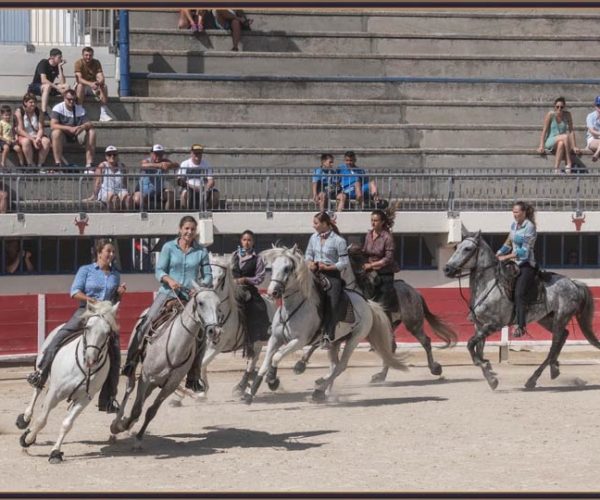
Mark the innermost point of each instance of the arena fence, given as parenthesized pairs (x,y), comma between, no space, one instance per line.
(252,190)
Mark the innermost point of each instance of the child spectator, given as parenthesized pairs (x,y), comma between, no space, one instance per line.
(325,184)
(46,72)
(30,130)
(7,136)
(195,176)
(110,186)
(90,81)
(69,122)
(355,182)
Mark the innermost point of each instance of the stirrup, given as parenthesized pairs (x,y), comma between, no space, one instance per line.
(520,332)
(194,385)
(128,369)
(35,379)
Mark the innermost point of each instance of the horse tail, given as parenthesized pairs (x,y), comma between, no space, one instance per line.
(380,338)
(439,326)
(585,314)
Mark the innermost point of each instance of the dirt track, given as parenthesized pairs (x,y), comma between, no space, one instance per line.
(414,433)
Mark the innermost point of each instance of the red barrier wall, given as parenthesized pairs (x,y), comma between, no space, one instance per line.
(19,318)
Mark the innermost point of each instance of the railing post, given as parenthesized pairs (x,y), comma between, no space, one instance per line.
(269,213)
(578,197)
(124,81)
(450,204)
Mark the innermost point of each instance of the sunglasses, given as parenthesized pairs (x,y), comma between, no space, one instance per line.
(111,154)
(559,106)
(70,99)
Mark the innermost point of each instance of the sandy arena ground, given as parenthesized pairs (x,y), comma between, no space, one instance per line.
(413,433)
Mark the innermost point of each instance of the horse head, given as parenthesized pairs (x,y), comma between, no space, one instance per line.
(364,280)
(100,320)
(283,267)
(465,256)
(206,310)
(221,274)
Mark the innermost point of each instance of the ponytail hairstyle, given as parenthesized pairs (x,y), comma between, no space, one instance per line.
(387,216)
(99,245)
(529,210)
(324,217)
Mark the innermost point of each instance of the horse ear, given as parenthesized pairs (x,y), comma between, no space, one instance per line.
(295,248)
(90,307)
(115,308)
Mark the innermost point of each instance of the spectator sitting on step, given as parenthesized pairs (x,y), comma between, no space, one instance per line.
(17,259)
(558,135)
(592,134)
(90,81)
(8,196)
(30,131)
(154,190)
(355,182)
(69,122)
(234,21)
(195,177)
(110,186)
(191,19)
(325,184)
(46,72)
(8,141)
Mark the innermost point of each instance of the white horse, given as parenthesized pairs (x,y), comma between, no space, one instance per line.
(297,322)
(169,356)
(78,372)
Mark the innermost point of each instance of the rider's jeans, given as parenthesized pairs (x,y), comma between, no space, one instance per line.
(525,281)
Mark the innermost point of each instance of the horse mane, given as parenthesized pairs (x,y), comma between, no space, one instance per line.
(223,261)
(303,275)
(104,309)
(357,259)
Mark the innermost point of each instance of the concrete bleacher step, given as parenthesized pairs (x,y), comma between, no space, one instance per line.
(319,135)
(271,87)
(361,65)
(505,21)
(364,43)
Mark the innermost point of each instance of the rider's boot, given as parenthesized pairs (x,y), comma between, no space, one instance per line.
(520,331)
(37,379)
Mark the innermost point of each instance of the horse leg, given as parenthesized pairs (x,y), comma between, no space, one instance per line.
(38,423)
(558,340)
(334,360)
(475,346)
(143,391)
(554,365)
(167,389)
(434,367)
(382,375)
(320,391)
(56,456)
(249,372)
(24,418)
(300,366)
(272,347)
(272,378)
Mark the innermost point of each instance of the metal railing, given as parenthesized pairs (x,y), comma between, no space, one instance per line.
(291,191)
(58,27)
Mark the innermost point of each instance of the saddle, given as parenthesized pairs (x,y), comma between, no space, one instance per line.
(508,271)
(171,308)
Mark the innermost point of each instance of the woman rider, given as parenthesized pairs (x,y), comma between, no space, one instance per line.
(327,255)
(519,247)
(248,269)
(92,283)
(379,250)
(182,261)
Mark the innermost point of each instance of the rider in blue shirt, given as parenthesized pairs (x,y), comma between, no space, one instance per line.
(182,261)
(519,247)
(93,282)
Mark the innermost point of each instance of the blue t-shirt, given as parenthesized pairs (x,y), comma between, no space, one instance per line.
(349,177)
(93,282)
(326,178)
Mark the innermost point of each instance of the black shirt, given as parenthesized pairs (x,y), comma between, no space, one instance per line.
(47,69)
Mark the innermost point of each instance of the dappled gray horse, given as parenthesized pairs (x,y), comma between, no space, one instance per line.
(412,311)
(169,355)
(491,308)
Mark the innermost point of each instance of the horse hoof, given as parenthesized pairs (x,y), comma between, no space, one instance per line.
(530,384)
(436,369)
(299,367)
(175,403)
(248,398)
(318,396)
(493,381)
(320,381)
(273,384)
(112,439)
(238,390)
(378,377)
(554,371)
(56,457)
(23,441)
(21,422)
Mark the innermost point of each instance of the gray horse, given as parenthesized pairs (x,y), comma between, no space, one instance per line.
(491,308)
(412,311)
(169,355)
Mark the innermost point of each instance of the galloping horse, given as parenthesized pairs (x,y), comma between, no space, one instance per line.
(169,355)
(296,323)
(491,308)
(78,372)
(412,311)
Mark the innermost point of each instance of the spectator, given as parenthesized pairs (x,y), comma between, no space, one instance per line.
(30,130)
(558,135)
(355,183)
(90,81)
(234,21)
(7,196)
(154,188)
(8,141)
(110,186)
(16,256)
(190,19)
(69,122)
(46,72)
(592,134)
(195,177)
(325,184)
